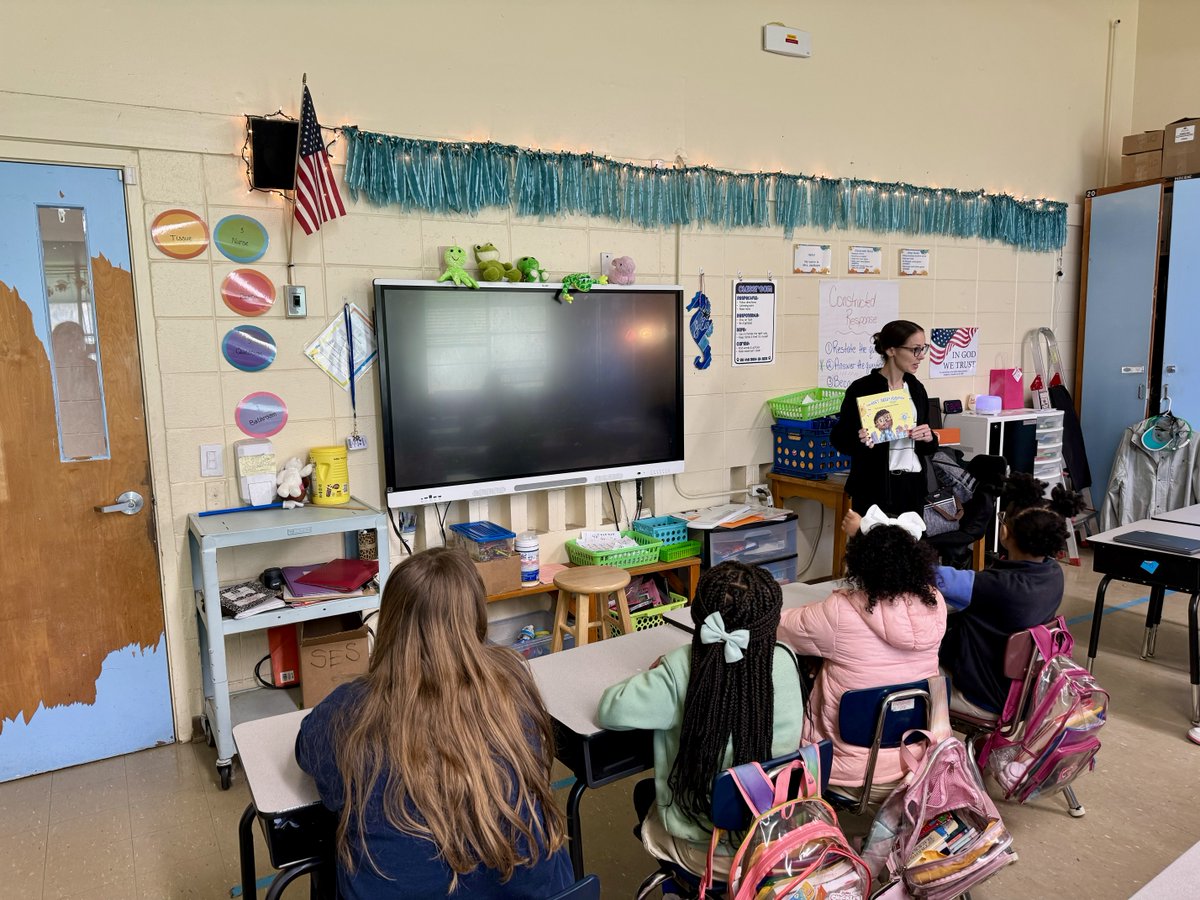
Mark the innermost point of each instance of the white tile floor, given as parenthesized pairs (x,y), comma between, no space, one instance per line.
(155,824)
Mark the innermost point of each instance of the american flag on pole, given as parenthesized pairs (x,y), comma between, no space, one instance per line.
(317,197)
(943,339)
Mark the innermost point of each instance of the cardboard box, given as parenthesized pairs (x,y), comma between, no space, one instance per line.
(1142,143)
(1142,166)
(1181,148)
(500,575)
(332,652)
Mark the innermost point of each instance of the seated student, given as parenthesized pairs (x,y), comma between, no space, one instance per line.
(730,697)
(883,628)
(1009,596)
(437,761)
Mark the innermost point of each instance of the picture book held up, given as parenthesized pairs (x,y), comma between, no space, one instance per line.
(887,416)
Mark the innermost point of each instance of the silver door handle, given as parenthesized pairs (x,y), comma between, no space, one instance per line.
(1141,391)
(130,503)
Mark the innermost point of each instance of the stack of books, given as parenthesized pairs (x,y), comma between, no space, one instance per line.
(334,580)
(247,598)
(943,836)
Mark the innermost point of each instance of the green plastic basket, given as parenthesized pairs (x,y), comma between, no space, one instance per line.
(812,403)
(625,558)
(682,550)
(645,618)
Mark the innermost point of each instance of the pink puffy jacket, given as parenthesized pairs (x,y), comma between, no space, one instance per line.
(895,643)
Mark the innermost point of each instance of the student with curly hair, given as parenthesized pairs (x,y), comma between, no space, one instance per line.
(1009,596)
(437,761)
(733,696)
(883,628)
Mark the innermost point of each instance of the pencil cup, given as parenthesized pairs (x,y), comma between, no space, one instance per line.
(331,476)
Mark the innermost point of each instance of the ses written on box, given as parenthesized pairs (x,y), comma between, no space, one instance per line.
(332,652)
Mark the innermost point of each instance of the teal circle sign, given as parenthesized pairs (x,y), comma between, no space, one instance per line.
(241,238)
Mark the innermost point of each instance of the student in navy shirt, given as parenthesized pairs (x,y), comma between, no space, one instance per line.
(437,762)
(1007,597)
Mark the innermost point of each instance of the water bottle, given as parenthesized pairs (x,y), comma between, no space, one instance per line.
(527,547)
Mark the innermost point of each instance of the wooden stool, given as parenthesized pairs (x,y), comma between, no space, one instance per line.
(588,586)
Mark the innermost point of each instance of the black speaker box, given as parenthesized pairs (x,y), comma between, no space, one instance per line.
(273,153)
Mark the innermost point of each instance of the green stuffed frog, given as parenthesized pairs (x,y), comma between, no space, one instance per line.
(487,257)
(531,269)
(579,281)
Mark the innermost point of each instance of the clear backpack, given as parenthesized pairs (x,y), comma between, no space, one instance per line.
(939,833)
(794,849)
(1060,714)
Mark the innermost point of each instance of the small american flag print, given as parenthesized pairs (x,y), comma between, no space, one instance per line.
(942,339)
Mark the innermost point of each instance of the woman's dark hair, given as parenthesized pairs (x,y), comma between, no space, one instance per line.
(887,562)
(1038,525)
(894,334)
(725,699)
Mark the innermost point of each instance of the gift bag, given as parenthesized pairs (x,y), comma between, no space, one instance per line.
(1009,386)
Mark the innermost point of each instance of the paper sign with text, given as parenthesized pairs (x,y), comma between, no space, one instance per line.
(914,262)
(753,323)
(812,259)
(864,260)
(851,313)
(953,351)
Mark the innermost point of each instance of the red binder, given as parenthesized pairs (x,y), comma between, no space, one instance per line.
(342,574)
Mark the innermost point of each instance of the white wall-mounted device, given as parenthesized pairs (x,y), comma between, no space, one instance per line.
(786,41)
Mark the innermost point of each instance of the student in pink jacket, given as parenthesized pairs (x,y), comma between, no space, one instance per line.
(884,627)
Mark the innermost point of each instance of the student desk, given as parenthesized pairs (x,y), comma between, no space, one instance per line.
(571,683)
(794,594)
(829,492)
(1187,515)
(1159,570)
(299,830)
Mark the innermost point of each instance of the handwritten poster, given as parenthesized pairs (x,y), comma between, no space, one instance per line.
(914,262)
(753,323)
(851,312)
(812,259)
(864,260)
(953,351)
(330,349)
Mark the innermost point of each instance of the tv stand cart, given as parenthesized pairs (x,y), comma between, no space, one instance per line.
(207,535)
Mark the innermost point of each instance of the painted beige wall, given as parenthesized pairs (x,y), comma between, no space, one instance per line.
(1165,85)
(1005,96)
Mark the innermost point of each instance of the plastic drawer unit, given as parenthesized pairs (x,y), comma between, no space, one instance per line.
(768,544)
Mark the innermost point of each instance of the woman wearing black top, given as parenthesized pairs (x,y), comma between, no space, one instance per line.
(892,474)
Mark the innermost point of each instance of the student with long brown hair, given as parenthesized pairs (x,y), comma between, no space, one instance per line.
(437,761)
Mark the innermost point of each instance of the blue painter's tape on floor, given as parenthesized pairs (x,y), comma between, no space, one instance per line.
(1087,617)
(265,881)
(563,783)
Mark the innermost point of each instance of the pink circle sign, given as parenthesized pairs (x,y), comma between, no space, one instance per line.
(248,292)
(261,414)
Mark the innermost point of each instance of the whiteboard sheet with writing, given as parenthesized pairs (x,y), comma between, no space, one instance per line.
(328,349)
(850,313)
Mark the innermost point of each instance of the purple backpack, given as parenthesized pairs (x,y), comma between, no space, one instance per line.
(1059,714)
(939,833)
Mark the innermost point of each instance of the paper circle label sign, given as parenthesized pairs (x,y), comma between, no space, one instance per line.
(261,414)
(179,233)
(248,292)
(241,238)
(248,348)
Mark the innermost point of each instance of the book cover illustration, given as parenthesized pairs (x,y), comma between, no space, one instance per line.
(887,416)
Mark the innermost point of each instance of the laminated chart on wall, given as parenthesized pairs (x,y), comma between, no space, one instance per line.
(753,323)
(329,349)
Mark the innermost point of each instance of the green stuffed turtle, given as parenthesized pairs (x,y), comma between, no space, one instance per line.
(487,257)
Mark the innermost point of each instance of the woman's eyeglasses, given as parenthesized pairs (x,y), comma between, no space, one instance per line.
(918,350)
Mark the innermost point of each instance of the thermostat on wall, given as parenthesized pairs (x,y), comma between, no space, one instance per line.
(786,41)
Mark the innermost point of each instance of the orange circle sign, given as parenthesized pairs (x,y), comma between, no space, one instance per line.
(179,233)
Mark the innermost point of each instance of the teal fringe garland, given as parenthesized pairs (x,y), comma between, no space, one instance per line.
(465,177)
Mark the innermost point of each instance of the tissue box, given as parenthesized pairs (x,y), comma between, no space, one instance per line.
(987,404)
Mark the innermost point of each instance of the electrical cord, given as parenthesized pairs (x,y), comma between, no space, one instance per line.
(396,528)
(682,493)
(817,543)
(442,514)
(258,676)
(613,504)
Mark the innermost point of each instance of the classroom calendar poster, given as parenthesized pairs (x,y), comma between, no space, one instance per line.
(850,313)
(753,323)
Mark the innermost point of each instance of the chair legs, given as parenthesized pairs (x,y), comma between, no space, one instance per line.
(652,882)
(1074,807)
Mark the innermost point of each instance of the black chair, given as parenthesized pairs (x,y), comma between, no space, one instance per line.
(587,888)
(979,513)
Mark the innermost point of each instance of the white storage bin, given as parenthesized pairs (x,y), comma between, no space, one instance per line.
(754,544)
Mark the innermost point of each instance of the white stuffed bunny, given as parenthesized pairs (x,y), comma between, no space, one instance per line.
(293,482)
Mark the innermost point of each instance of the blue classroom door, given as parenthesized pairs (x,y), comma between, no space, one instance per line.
(83,668)
(1180,377)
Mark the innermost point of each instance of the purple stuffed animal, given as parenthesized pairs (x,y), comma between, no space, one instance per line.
(623,271)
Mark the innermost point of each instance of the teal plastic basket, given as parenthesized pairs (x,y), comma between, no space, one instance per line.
(668,529)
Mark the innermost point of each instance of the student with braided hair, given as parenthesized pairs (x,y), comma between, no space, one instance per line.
(733,696)
(1009,596)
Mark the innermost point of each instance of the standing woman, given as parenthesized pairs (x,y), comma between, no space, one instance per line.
(889,475)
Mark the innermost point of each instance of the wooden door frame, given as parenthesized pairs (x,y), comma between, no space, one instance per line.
(151,378)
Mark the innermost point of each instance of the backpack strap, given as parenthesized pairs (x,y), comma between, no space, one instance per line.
(939,708)
(1053,643)
(755,786)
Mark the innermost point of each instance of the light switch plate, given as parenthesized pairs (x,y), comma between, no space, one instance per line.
(295,300)
(212,460)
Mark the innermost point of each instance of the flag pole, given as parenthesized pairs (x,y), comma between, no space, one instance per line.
(295,173)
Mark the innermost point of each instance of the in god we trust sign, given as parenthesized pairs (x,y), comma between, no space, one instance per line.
(953,351)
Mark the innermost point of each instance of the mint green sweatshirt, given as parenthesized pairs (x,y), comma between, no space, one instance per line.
(653,700)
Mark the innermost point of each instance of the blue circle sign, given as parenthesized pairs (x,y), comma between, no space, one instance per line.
(241,238)
(249,348)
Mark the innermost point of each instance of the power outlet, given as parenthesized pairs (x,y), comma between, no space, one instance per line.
(606,264)
(760,492)
(214,495)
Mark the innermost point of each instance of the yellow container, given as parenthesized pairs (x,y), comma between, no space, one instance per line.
(330,476)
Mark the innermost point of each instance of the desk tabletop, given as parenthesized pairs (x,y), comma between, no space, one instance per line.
(572,681)
(794,595)
(1187,515)
(267,749)
(1178,529)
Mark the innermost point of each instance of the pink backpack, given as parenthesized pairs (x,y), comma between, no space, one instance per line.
(1059,715)
(794,848)
(939,833)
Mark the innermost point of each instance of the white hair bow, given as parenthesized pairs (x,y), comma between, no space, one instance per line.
(909,521)
(713,632)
